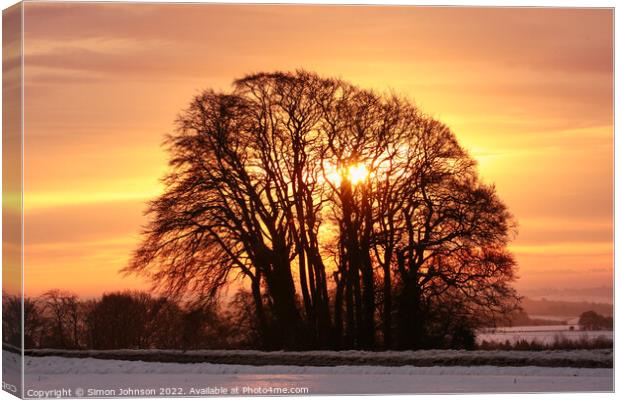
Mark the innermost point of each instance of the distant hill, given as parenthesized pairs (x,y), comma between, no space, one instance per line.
(600,294)
(556,308)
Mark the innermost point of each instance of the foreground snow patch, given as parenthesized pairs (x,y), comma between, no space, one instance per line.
(115,377)
(63,366)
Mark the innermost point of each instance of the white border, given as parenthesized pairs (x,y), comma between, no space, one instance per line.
(475,3)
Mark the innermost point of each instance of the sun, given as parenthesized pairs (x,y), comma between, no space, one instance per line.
(357,173)
(354,174)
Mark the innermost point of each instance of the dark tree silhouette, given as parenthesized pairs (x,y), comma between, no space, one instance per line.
(592,321)
(352,218)
(133,320)
(63,310)
(12,320)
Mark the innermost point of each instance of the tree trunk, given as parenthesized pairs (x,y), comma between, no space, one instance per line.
(368,306)
(288,323)
(260,313)
(410,317)
(387,301)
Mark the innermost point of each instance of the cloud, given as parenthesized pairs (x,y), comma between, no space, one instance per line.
(565,231)
(564,249)
(77,223)
(101,44)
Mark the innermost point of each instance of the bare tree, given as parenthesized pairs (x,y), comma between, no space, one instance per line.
(63,309)
(11,319)
(340,208)
(117,321)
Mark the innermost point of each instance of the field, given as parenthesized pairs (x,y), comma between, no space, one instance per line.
(130,373)
(541,334)
(353,372)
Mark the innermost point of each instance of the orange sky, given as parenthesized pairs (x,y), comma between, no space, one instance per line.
(528,91)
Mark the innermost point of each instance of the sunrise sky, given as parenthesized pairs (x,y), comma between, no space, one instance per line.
(527,91)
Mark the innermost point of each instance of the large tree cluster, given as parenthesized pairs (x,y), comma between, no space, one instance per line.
(352,218)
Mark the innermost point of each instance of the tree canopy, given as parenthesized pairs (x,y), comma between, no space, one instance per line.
(352,218)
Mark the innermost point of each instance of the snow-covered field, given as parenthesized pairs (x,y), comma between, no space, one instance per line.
(110,377)
(106,378)
(568,320)
(542,334)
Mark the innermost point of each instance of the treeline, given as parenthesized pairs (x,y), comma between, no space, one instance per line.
(124,320)
(355,220)
(137,320)
(592,321)
(588,320)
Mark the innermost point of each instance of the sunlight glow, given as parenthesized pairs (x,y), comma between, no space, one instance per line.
(357,173)
(335,178)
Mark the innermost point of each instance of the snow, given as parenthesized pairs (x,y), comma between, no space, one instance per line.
(11,371)
(567,319)
(543,334)
(539,328)
(348,372)
(54,373)
(76,366)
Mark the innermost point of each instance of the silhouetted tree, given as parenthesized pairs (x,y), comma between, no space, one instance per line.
(63,312)
(292,177)
(120,321)
(592,321)
(12,321)
(247,328)
(165,319)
